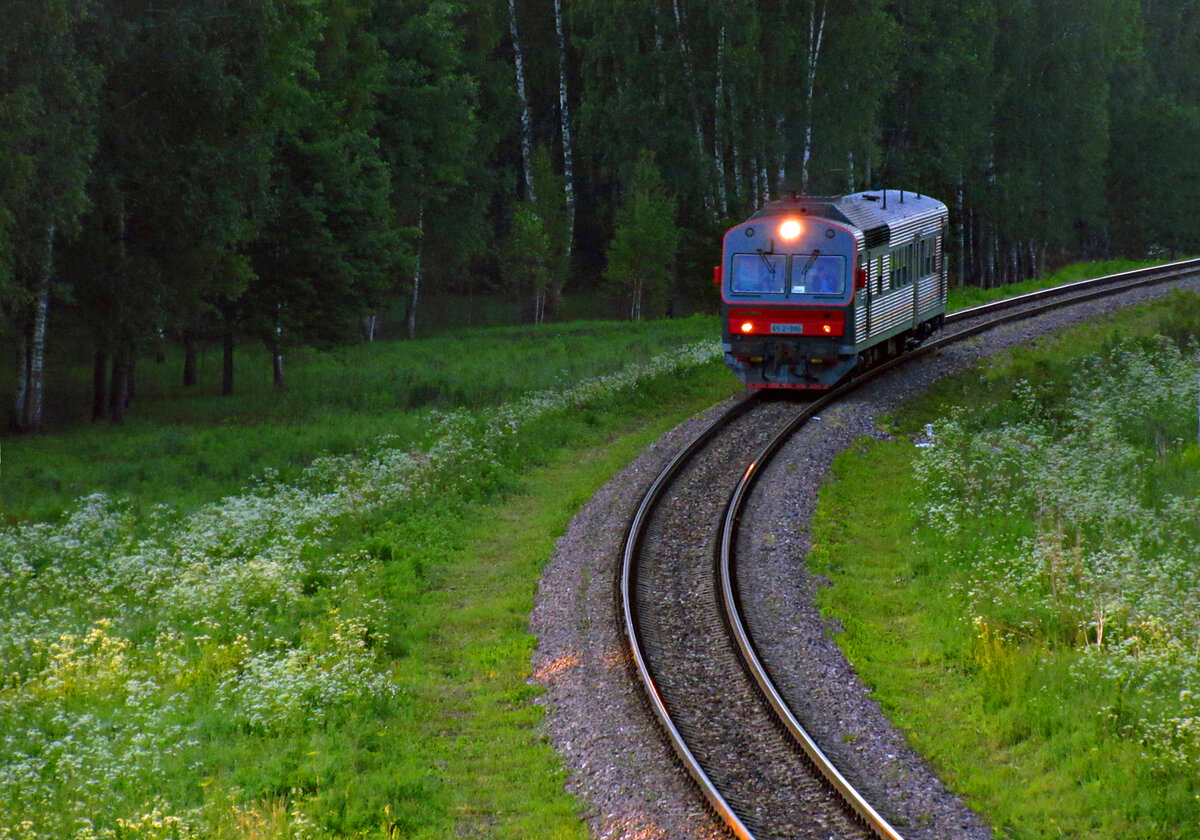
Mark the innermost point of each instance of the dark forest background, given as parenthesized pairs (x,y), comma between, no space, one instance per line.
(283,172)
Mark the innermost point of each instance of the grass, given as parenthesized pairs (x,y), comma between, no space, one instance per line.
(993,667)
(193,447)
(964,297)
(340,653)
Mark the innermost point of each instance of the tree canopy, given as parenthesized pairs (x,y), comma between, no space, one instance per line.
(272,171)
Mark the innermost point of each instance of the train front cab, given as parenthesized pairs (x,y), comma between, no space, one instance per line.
(787,288)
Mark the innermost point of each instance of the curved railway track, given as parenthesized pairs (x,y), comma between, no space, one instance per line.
(754,762)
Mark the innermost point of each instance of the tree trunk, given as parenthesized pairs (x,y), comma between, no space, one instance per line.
(781,171)
(564,117)
(191,376)
(962,234)
(21,386)
(277,368)
(416,290)
(37,344)
(118,390)
(816,31)
(718,126)
(99,385)
(227,363)
(526,111)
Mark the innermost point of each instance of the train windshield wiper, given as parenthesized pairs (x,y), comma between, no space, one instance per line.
(762,255)
(804,271)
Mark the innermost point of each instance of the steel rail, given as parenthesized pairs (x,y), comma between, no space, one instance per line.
(633,544)
(1141,276)
(727,536)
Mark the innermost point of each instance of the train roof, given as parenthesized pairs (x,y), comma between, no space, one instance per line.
(885,217)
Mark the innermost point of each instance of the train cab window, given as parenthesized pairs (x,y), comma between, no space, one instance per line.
(818,274)
(757,274)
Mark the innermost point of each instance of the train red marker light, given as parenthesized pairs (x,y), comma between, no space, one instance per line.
(789,230)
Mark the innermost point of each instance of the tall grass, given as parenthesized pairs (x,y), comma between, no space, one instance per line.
(337,652)
(1044,585)
(192,447)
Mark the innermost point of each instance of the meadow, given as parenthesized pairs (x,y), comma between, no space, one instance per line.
(1023,600)
(326,638)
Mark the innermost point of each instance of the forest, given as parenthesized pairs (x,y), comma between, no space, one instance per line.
(225,173)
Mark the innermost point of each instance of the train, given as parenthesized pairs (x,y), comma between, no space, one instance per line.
(815,288)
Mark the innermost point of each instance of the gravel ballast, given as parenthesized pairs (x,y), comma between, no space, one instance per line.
(618,763)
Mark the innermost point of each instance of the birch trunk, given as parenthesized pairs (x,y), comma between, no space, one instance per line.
(781,134)
(416,291)
(31,349)
(564,116)
(816,31)
(719,124)
(962,233)
(526,111)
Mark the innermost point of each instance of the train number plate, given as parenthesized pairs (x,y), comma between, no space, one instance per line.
(792,329)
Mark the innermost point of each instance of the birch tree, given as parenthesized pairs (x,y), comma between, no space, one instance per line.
(526,108)
(816,34)
(47,127)
(564,118)
(427,125)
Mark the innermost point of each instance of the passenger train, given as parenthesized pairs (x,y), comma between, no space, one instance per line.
(813,287)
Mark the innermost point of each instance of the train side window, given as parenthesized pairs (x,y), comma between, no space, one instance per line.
(757,274)
(901,266)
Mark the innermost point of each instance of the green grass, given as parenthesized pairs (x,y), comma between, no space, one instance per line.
(1005,714)
(965,297)
(277,664)
(190,446)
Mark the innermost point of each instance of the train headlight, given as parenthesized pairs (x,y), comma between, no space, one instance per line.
(748,327)
(789,230)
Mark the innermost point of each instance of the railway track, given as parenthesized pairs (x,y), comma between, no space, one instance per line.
(753,760)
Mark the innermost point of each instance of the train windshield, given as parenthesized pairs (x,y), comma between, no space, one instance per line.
(758,273)
(818,274)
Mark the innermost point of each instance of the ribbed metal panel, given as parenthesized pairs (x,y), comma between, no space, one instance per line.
(892,310)
(929,295)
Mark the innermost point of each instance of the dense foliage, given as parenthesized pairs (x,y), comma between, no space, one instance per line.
(278,169)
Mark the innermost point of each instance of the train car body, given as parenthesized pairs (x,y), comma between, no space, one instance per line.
(814,286)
